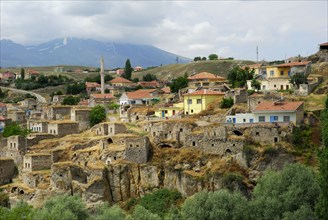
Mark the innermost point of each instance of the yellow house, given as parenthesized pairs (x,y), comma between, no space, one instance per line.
(169,111)
(199,100)
(120,82)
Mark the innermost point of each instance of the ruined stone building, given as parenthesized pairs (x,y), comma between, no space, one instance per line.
(107,128)
(39,125)
(16,148)
(62,128)
(7,170)
(35,162)
(82,117)
(137,150)
(58,112)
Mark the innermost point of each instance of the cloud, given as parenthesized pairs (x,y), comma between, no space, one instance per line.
(187,28)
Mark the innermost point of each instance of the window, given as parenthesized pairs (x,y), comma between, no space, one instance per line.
(286,118)
(281,72)
(289,73)
(287,87)
(199,101)
(257,133)
(192,111)
(165,111)
(193,143)
(244,119)
(274,86)
(189,101)
(261,118)
(271,72)
(275,118)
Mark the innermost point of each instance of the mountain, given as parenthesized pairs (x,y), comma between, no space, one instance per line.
(83,52)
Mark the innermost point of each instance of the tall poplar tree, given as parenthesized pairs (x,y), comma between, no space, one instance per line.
(127,70)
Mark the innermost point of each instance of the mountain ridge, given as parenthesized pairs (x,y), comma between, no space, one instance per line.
(84,52)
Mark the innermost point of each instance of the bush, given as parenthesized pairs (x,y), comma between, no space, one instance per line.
(226,103)
(14,129)
(160,201)
(71,100)
(97,115)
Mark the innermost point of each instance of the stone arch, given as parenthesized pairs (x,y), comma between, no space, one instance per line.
(227,152)
(21,191)
(13,189)
(237,132)
(165,146)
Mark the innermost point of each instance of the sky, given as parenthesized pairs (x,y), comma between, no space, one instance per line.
(280,29)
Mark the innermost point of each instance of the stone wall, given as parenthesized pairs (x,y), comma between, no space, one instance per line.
(58,112)
(7,170)
(63,128)
(82,117)
(137,149)
(238,96)
(34,179)
(34,162)
(16,148)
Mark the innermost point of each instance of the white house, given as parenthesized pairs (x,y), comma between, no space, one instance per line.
(278,111)
(138,97)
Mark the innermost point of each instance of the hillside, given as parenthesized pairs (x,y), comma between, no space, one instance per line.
(220,67)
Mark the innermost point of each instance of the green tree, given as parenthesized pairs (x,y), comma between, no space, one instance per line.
(179,83)
(14,129)
(127,70)
(220,204)
(105,212)
(226,103)
(70,100)
(76,88)
(21,211)
(213,56)
(160,201)
(256,84)
(197,58)
(97,115)
(140,213)
(287,191)
(204,58)
(237,76)
(322,205)
(63,207)
(297,79)
(149,77)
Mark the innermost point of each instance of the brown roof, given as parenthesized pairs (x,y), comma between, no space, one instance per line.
(278,106)
(2,104)
(166,90)
(253,66)
(303,63)
(140,94)
(120,80)
(324,44)
(102,96)
(92,84)
(205,92)
(153,83)
(205,75)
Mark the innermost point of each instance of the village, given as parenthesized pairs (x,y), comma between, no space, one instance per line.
(122,156)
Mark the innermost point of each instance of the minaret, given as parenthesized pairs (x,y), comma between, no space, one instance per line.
(102,77)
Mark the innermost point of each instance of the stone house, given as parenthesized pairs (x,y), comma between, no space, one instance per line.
(40,126)
(58,112)
(110,128)
(29,103)
(92,87)
(82,117)
(62,128)
(137,150)
(7,170)
(57,99)
(100,99)
(17,116)
(34,162)
(16,148)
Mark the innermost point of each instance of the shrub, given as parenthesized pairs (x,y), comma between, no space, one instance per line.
(226,103)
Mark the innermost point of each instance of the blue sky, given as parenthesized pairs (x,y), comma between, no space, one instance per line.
(189,28)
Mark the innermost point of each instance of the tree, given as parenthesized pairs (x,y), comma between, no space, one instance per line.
(213,56)
(105,212)
(179,83)
(149,77)
(21,211)
(322,205)
(76,88)
(197,58)
(140,213)
(70,100)
(226,103)
(14,129)
(127,70)
(97,115)
(297,79)
(256,84)
(287,191)
(237,76)
(204,58)
(220,204)
(64,207)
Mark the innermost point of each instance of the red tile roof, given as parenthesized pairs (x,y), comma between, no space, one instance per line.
(324,44)
(205,92)
(140,94)
(3,104)
(92,84)
(153,83)
(120,80)
(204,75)
(102,96)
(303,63)
(282,106)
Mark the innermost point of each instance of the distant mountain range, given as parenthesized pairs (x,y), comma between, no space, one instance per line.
(83,52)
